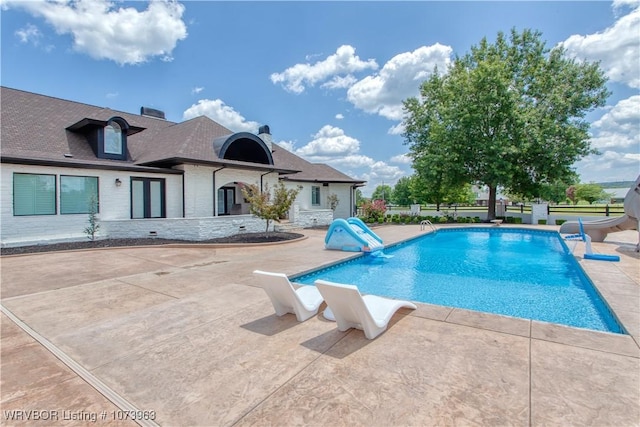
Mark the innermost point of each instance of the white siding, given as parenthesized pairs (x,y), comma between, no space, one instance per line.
(343,191)
(115,203)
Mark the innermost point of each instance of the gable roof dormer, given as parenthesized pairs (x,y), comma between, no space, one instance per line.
(107,138)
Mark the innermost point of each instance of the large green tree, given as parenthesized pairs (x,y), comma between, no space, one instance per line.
(591,193)
(509,114)
(401,194)
(382,192)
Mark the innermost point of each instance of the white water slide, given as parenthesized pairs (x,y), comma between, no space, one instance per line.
(599,229)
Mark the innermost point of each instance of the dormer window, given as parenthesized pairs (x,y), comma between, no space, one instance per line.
(113,140)
(108,138)
(113,143)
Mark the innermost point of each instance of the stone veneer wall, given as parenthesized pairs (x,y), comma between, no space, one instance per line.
(202,228)
(183,228)
(313,218)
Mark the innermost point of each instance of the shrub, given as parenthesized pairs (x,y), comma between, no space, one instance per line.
(560,221)
(373,211)
(542,221)
(442,219)
(517,220)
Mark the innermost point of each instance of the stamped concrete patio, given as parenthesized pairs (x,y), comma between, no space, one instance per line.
(188,334)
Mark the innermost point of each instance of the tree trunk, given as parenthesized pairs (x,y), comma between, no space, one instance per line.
(491,213)
(267,230)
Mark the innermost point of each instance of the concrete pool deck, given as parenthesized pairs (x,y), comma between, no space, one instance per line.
(187,333)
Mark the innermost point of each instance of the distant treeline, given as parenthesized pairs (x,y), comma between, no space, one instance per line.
(616,184)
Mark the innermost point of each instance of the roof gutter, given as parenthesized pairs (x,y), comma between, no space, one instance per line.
(80,164)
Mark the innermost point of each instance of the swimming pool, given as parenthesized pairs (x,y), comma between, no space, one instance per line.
(515,272)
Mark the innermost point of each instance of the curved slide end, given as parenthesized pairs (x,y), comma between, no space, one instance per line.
(599,229)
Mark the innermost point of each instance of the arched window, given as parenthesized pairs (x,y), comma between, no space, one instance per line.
(113,143)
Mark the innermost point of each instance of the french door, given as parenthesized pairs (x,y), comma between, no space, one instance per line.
(147,198)
(226,199)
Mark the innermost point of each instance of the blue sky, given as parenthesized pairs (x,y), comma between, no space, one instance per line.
(327,77)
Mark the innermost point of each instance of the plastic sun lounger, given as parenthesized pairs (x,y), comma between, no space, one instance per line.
(303,301)
(350,309)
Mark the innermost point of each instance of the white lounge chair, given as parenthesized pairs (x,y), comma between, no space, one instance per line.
(303,301)
(369,313)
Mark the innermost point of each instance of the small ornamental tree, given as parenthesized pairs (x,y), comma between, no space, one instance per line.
(263,206)
(93,226)
(332,201)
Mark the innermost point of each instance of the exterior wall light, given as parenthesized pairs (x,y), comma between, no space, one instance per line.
(118,182)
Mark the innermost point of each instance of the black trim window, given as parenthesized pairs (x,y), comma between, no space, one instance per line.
(113,140)
(315,196)
(226,200)
(34,194)
(78,194)
(148,198)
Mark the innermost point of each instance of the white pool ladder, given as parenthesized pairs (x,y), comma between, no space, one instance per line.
(426,223)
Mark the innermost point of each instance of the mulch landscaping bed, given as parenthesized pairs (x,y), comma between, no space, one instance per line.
(273,236)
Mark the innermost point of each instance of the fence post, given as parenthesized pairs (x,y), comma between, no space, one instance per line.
(522,208)
(606,211)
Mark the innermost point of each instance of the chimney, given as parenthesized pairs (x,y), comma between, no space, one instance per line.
(265,135)
(152,112)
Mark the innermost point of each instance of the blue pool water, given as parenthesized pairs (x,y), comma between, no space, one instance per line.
(522,273)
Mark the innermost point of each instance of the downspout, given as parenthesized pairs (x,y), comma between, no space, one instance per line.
(352,201)
(215,193)
(271,171)
(183,197)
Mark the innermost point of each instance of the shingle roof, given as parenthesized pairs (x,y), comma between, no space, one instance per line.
(309,172)
(34,130)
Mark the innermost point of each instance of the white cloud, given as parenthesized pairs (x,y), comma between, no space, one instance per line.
(219,112)
(617,136)
(400,78)
(619,127)
(609,166)
(30,33)
(385,172)
(332,146)
(339,116)
(112,95)
(103,30)
(621,4)
(343,63)
(197,90)
(287,145)
(401,159)
(339,82)
(396,130)
(617,47)
(330,141)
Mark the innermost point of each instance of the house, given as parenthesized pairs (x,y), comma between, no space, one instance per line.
(145,175)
